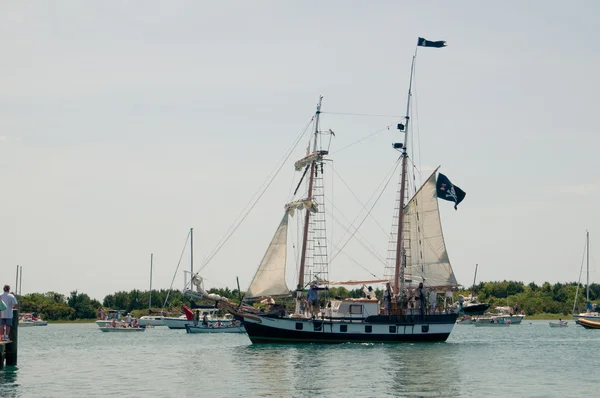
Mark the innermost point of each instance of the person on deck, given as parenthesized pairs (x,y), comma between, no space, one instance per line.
(387,299)
(421,298)
(196,317)
(371,293)
(205,319)
(313,300)
(432,301)
(6,316)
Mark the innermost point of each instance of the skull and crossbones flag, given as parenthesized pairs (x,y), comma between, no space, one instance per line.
(447,191)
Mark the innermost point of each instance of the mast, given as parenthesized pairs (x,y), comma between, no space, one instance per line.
(474,279)
(150,300)
(16,281)
(310,194)
(400,259)
(587,245)
(20,280)
(191,252)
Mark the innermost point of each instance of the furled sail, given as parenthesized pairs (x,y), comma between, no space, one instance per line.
(269,279)
(426,255)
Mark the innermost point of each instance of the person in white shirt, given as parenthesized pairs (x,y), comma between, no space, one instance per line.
(432,301)
(6,316)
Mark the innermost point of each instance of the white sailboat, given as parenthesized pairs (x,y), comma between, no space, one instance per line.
(590,314)
(419,255)
(152,320)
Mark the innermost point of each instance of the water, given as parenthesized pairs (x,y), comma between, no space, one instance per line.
(78,360)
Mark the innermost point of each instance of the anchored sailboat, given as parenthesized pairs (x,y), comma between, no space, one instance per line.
(591,313)
(420,262)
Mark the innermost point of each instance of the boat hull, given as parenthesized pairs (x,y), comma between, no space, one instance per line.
(588,324)
(205,329)
(151,320)
(121,330)
(176,323)
(475,309)
(34,323)
(374,329)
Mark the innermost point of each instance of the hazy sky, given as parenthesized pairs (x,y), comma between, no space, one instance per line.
(123,124)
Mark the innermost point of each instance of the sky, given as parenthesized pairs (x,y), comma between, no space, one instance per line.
(125,124)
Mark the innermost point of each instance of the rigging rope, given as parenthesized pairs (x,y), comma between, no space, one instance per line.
(359,114)
(176,269)
(369,212)
(363,139)
(231,230)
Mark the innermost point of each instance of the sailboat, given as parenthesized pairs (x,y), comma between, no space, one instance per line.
(152,320)
(419,253)
(470,305)
(589,315)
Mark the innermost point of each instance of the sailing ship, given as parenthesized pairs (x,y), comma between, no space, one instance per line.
(418,256)
(591,314)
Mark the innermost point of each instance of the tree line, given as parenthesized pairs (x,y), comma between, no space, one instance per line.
(555,298)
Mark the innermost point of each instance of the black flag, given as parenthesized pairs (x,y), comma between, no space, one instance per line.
(447,191)
(426,43)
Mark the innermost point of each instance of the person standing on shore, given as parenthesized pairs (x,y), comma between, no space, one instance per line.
(6,316)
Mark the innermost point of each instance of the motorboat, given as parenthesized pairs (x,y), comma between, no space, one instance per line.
(28,320)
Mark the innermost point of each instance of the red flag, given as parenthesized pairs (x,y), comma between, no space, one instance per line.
(188,314)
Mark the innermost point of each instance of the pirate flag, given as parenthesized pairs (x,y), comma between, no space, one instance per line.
(428,43)
(445,190)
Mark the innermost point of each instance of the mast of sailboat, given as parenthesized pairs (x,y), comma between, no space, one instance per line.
(310,194)
(191,252)
(587,246)
(474,279)
(16,289)
(20,280)
(150,295)
(400,259)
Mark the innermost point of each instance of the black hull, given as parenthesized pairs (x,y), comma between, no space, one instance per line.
(476,309)
(261,334)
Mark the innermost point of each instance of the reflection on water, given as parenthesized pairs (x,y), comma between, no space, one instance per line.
(423,369)
(375,369)
(8,382)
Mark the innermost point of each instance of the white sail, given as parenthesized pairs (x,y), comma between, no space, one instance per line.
(269,279)
(426,255)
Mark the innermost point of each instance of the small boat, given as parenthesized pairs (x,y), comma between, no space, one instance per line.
(559,324)
(112,314)
(28,320)
(589,324)
(215,329)
(121,329)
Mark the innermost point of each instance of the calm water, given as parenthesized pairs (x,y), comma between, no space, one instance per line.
(80,361)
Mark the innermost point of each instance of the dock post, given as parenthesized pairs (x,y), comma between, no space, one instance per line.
(12,347)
